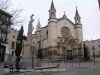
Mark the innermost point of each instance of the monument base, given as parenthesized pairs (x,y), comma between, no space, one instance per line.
(28,61)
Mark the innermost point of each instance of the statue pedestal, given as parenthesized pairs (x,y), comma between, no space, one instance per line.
(28,61)
(27,58)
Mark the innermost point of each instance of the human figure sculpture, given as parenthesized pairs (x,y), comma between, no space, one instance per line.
(31,19)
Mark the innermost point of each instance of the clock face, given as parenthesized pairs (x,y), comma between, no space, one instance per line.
(65,32)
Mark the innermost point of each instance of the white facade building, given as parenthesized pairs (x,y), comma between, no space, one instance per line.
(59,37)
(11,46)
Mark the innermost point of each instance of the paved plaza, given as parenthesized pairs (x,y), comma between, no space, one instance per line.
(85,68)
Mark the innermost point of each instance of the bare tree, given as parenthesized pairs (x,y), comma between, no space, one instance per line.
(6,6)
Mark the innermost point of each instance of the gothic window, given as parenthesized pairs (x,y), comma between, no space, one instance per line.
(13,45)
(65,32)
(77,20)
(47,33)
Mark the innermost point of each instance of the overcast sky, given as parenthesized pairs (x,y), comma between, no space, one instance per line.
(88,10)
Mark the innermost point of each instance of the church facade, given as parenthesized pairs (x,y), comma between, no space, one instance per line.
(60,38)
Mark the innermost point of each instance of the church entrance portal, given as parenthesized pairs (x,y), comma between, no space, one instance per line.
(69,54)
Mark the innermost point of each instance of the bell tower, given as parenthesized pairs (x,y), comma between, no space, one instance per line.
(52,11)
(38,27)
(79,30)
(52,23)
(77,17)
(78,27)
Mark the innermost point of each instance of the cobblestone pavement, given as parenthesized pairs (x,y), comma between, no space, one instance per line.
(86,68)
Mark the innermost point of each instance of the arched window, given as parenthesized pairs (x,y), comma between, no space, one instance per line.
(47,33)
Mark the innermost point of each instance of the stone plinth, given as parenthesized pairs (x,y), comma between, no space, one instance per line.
(28,61)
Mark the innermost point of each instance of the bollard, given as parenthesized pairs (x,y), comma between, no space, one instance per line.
(57,65)
(48,63)
(72,63)
(79,63)
(43,62)
(94,62)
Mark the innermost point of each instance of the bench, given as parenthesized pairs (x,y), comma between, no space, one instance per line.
(12,65)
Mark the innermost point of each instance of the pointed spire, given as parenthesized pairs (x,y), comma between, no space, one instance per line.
(39,21)
(38,27)
(52,5)
(77,14)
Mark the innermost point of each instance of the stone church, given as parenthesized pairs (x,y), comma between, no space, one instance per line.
(60,38)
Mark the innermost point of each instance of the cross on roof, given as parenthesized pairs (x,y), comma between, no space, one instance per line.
(64,12)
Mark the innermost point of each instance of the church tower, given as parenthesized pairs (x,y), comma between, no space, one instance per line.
(52,23)
(38,27)
(52,11)
(78,27)
(79,32)
(77,17)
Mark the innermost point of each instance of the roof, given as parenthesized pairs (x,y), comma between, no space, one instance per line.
(3,12)
(52,5)
(77,14)
(24,37)
(91,40)
(60,19)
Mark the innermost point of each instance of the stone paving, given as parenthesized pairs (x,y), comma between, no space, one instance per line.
(85,68)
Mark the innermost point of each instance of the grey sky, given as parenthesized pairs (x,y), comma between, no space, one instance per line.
(88,10)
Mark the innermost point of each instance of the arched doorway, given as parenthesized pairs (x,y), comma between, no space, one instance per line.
(70,46)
